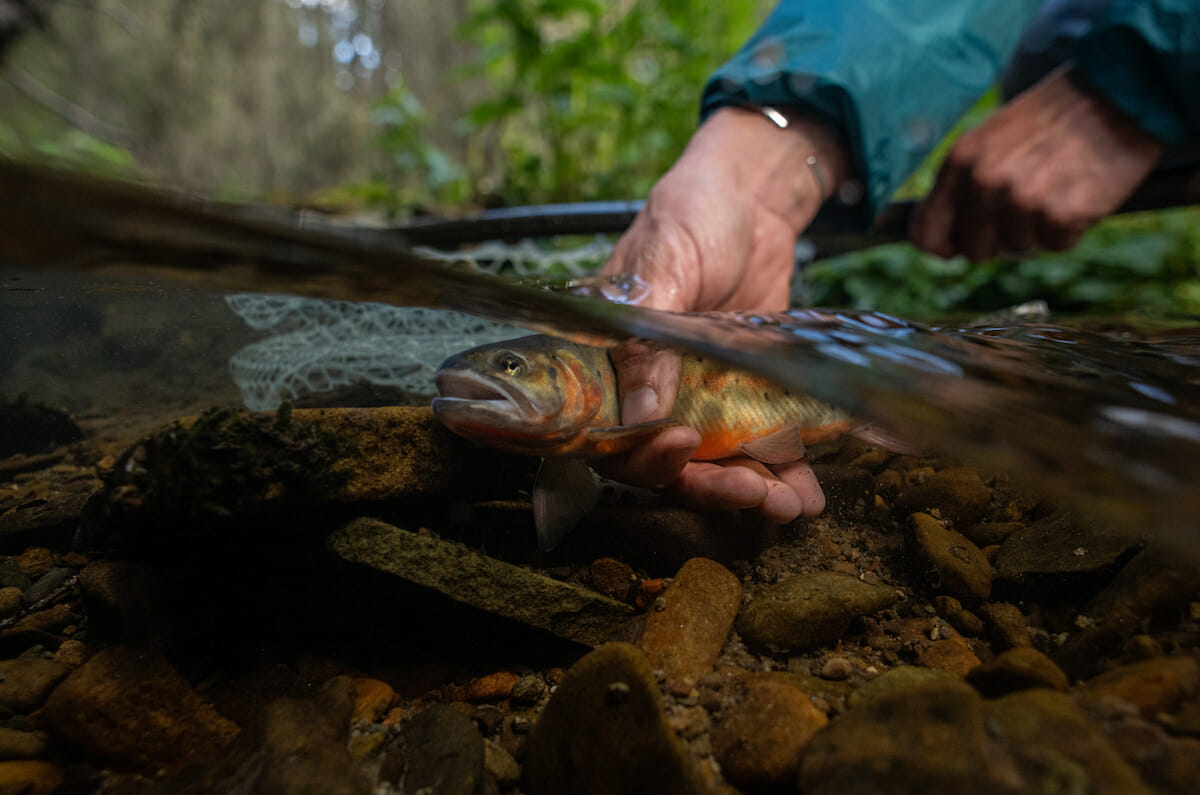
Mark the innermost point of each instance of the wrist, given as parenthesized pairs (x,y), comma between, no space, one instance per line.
(784,160)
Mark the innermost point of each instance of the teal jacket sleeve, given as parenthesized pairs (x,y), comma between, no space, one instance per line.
(892,75)
(1144,56)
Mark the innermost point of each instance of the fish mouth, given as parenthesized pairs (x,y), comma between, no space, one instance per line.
(468,397)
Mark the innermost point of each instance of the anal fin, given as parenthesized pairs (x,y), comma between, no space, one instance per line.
(564,492)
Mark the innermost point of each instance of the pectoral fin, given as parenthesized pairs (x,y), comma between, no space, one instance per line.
(622,438)
(781,447)
(563,493)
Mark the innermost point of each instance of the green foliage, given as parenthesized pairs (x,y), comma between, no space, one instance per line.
(413,170)
(591,99)
(1147,263)
(68,148)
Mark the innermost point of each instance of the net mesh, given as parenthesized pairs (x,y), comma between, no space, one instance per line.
(318,345)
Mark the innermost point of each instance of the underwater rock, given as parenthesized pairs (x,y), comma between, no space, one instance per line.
(915,738)
(612,577)
(30,777)
(1153,686)
(900,678)
(529,689)
(1006,625)
(761,737)
(128,705)
(44,511)
(956,493)
(1017,669)
(941,736)
(229,465)
(956,566)
(30,428)
(685,631)
(661,537)
(11,600)
(603,731)
(26,682)
(1060,557)
(952,654)
(304,744)
(1049,741)
(35,561)
(561,608)
(501,765)
(17,744)
(443,753)
(986,534)
(1154,582)
(807,611)
(124,599)
(958,616)
(372,698)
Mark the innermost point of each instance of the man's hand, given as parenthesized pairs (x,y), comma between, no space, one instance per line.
(718,232)
(1035,175)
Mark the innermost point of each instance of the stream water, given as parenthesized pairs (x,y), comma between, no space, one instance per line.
(1107,418)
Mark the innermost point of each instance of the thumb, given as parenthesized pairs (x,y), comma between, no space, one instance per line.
(647,380)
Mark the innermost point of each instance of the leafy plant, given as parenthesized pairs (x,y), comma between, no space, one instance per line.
(1147,264)
(592,99)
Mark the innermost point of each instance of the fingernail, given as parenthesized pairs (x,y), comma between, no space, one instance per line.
(639,405)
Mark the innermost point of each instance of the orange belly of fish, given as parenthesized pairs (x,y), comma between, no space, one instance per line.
(726,442)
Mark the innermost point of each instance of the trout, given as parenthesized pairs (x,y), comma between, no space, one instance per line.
(548,397)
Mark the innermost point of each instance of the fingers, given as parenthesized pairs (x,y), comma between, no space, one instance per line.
(655,463)
(780,493)
(1035,175)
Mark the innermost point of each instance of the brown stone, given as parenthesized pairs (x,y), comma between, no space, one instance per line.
(957,494)
(35,561)
(492,687)
(11,600)
(951,654)
(50,620)
(25,683)
(371,699)
(684,637)
(128,705)
(955,565)
(987,534)
(1021,668)
(1006,624)
(613,578)
(760,739)
(807,611)
(17,744)
(1152,686)
(609,699)
(29,777)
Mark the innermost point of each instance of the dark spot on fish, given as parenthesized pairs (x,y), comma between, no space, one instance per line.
(787,393)
(552,373)
(766,395)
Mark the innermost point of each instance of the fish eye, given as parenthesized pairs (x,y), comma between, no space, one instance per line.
(511,364)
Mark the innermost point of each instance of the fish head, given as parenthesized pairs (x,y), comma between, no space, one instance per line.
(535,395)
